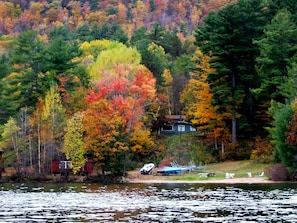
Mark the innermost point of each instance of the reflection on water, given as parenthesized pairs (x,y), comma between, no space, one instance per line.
(147,203)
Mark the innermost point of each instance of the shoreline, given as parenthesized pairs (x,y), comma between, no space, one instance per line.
(161,180)
(222,181)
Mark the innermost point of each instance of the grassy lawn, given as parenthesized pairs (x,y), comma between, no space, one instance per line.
(239,168)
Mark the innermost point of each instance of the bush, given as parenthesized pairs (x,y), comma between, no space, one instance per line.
(262,151)
(278,172)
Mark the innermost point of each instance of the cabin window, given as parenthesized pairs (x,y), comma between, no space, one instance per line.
(65,165)
(181,128)
(167,128)
(192,129)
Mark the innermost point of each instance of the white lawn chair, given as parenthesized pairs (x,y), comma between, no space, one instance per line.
(261,174)
(230,175)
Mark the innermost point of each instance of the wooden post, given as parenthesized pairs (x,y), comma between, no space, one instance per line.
(1,152)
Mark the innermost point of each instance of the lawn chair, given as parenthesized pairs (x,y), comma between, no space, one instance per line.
(260,174)
(230,175)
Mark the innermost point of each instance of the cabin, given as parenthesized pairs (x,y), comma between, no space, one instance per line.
(175,124)
(64,167)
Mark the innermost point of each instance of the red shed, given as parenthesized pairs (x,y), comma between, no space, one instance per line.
(88,167)
(55,169)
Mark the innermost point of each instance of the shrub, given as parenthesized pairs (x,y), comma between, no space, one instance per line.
(262,151)
(278,172)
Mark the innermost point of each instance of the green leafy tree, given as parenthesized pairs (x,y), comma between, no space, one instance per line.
(11,139)
(113,56)
(54,122)
(73,142)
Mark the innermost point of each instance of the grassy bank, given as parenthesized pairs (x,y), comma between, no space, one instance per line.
(239,168)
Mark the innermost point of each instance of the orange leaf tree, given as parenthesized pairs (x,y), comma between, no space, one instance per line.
(197,98)
(114,114)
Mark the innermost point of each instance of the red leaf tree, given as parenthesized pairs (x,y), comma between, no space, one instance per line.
(115,110)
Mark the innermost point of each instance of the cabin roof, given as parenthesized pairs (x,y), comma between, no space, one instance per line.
(175,117)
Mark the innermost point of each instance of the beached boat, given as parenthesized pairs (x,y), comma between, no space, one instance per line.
(167,170)
(147,169)
(175,168)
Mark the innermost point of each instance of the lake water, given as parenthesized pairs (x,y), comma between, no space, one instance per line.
(148,203)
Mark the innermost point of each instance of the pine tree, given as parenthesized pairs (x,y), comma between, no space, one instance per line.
(278,50)
(227,37)
(7,107)
(27,57)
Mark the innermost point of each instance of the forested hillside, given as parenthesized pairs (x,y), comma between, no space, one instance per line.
(83,79)
(42,16)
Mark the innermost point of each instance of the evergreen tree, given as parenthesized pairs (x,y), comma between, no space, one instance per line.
(139,35)
(227,37)
(171,44)
(27,56)
(118,34)
(84,33)
(282,114)
(60,55)
(64,69)
(289,5)
(103,32)
(7,107)
(62,32)
(156,60)
(288,88)
(278,50)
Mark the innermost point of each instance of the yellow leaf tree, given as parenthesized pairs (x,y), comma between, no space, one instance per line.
(197,99)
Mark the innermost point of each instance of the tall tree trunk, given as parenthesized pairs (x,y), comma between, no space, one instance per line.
(233,110)
(234,139)
(39,144)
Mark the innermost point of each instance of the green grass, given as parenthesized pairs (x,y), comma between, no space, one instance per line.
(239,168)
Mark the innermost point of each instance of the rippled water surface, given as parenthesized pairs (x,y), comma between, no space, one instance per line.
(147,203)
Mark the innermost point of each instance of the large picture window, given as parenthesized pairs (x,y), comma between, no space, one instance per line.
(167,128)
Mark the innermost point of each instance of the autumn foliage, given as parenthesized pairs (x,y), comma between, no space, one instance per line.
(114,114)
